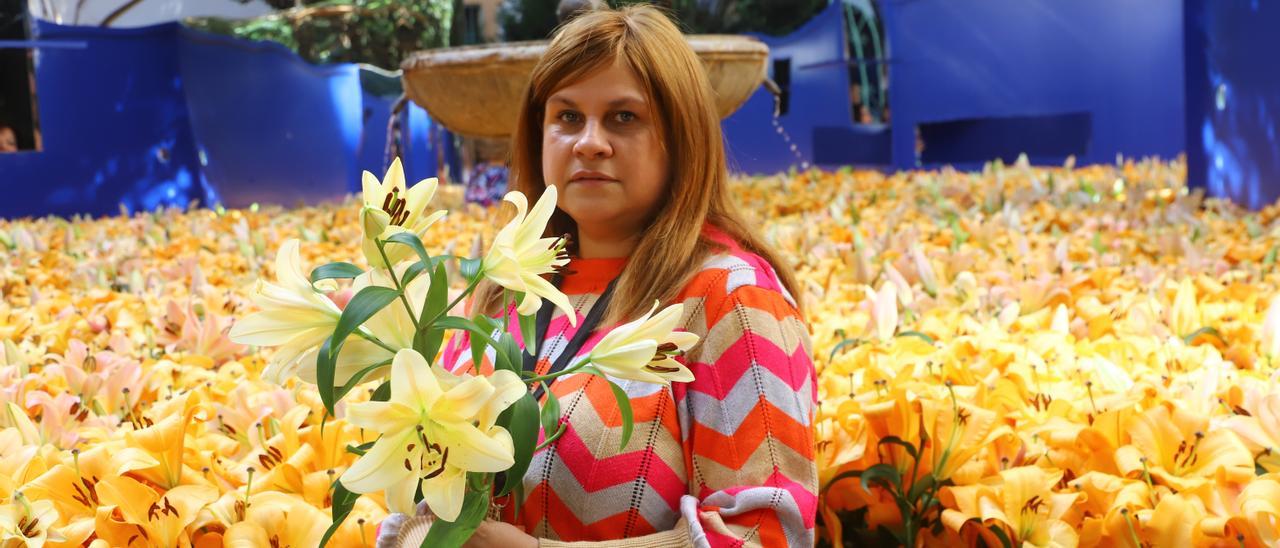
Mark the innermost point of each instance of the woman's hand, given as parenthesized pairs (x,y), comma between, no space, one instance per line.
(497,534)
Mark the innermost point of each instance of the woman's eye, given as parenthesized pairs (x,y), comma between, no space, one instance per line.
(569,116)
(626,116)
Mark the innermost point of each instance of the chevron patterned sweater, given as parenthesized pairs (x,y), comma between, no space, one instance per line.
(724,460)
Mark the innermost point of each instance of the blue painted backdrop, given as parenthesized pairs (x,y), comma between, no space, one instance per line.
(981,79)
(164,115)
(115,130)
(1233,99)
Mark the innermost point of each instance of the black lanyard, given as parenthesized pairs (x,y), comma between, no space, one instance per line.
(585,329)
(540,331)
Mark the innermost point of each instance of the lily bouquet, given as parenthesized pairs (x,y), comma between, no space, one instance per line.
(443,435)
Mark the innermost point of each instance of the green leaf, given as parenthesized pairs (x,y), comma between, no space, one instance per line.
(885,475)
(842,476)
(624,404)
(326,363)
(363,306)
(840,346)
(1000,534)
(356,378)
(428,339)
(1270,259)
(412,272)
(470,268)
(523,427)
(922,485)
(337,270)
(437,294)
(383,393)
(550,413)
(454,322)
(410,239)
(343,502)
(895,440)
(529,332)
(360,449)
(508,354)
(453,534)
(917,335)
(477,351)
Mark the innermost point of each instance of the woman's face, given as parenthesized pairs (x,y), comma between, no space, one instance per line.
(602,151)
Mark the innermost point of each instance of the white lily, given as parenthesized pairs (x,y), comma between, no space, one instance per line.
(297,318)
(645,349)
(28,523)
(520,255)
(294,316)
(390,208)
(885,307)
(435,428)
(391,325)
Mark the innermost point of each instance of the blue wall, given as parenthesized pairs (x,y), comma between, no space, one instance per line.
(1233,99)
(1118,60)
(111,136)
(818,97)
(164,115)
(982,79)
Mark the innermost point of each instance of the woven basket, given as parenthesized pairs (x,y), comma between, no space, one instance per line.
(476,90)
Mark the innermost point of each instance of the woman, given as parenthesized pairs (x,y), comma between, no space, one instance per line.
(620,117)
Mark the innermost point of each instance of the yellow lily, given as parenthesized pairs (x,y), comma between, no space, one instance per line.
(435,428)
(1260,430)
(1184,315)
(277,519)
(1179,449)
(1259,517)
(390,208)
(520,255)
(28,523)
(164,441)
(1180,520)
(645,349)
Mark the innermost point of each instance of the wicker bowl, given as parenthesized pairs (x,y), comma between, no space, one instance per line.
(476,90)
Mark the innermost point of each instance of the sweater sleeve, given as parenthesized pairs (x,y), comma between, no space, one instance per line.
(747,423)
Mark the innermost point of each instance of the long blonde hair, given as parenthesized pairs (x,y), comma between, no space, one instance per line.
(673,248)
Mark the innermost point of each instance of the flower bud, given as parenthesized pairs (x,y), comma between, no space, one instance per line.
(374,221)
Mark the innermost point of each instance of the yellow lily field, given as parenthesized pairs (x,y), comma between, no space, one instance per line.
(1022,356)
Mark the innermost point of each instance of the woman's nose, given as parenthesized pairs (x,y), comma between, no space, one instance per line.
(592,142)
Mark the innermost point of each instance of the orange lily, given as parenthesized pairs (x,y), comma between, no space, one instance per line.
(1020,500)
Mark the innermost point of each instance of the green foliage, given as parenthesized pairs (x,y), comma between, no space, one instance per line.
(376,32)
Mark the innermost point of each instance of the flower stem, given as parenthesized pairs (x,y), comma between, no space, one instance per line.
(375,340)
(552,439)
(549,376)
(391,271)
